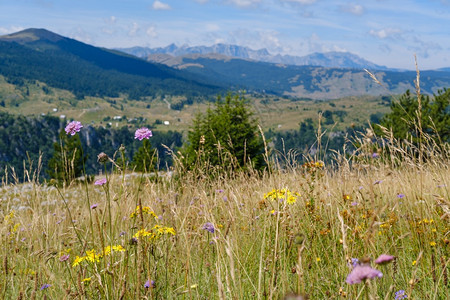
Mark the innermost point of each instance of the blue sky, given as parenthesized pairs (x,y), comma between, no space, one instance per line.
(386,32)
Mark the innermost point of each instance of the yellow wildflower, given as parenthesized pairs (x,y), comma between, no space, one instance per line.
(118,248)
(145,211)
(77,260)
(8,218)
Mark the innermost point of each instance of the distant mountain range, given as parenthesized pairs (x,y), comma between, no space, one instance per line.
(327,60)
(85,70)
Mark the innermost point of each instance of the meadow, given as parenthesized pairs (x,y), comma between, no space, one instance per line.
(371,224)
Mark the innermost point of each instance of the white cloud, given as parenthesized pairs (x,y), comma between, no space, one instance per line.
(158,5)
(134,29)
(354,9)
(244,3)
(387,33)
(212,27)
(303,2)
(10,29)
(151,31)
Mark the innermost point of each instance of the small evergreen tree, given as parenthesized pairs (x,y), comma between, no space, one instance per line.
(145,158)
(434,117)
(67,161)
(225,135)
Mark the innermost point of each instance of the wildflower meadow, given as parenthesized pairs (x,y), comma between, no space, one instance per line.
(370,224)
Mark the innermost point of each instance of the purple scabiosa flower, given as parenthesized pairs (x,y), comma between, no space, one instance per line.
(100,181)
(122,233)
(149,283)
(45,286)
(73,127)
(354,203)
(361,273)
(375,155)
(401,294)
(94,206)
(64,257)
(143,133)
(384,259)
(219,191)
(209,227)
(378,182)
(400,195)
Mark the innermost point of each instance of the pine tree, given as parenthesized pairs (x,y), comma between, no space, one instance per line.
(434,117)
(226,135)
(67,161)
(145,158)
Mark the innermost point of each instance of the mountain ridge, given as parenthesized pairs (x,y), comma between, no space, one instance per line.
(332,59)
(85,70)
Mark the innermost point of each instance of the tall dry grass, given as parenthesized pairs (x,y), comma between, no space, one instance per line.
(260,247)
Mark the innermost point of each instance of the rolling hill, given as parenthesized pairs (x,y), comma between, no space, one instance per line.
(85,70)
(302,81)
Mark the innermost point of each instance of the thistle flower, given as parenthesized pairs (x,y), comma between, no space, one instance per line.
(73,127)
(384,259)
(143,133)
(102,157)
(100,181)
(361,273)
(209,227)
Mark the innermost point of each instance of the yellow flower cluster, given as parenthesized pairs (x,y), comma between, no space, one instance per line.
(313,165)
(425,222)
(92,256)
(283,194)
(8,219)
(145,211)
(155,232)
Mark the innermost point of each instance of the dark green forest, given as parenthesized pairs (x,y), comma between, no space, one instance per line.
(23,140)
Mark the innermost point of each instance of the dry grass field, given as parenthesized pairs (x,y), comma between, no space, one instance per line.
(293,232)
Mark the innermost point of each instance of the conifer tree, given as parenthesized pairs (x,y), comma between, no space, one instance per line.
(67,161)
(225,135)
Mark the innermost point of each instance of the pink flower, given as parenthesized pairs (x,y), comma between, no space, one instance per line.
(362,272)
(73,127)
(384,259)
(143,133)
(100,181)
(64,257)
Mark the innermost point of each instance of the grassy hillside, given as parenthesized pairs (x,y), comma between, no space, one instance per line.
(276,113)
(302,81)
